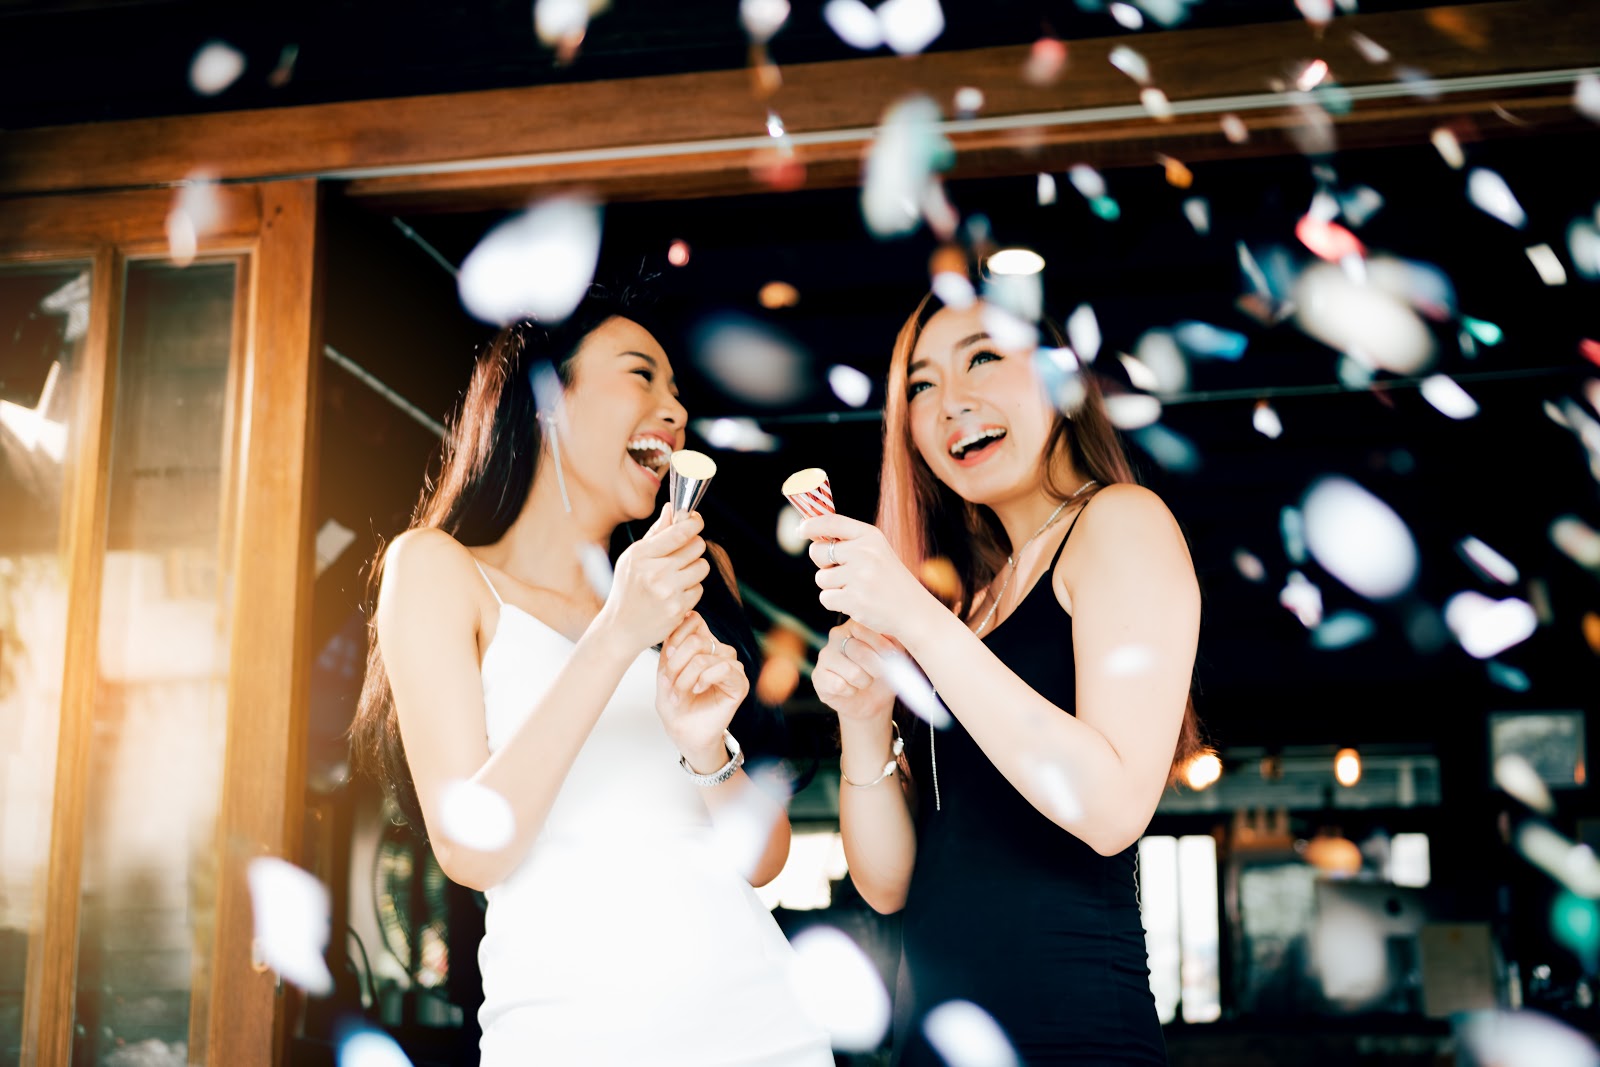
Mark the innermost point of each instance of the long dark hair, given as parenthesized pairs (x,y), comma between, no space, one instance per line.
(487,468)
(922,518)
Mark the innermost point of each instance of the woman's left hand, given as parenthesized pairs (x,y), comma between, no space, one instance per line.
(700,683)
(861,576)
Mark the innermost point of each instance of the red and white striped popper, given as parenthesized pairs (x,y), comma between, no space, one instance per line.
(809,492)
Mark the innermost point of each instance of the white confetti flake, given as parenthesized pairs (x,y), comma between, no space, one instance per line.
(1583,245)
(1266,421)
(1445,394)
(1449,147)
(954,290)
(1234,129)
(1130,63)
(1131,411)
(596,569)
(969,100)
(1155,101)
(1488,562)
(1341,630)
(1249,566)
(1490,194)
(965,1035)
(1302,598)
(1158,350)
(292,922)
(1083,332)
(763,18)
(1487,627)
(1055,790)
(789,537)
(537,264)
(1046,190)
(1514,774)
(1140,375)
(1586,96)
(371,1048)
(909,26)
(914,690)
(1127,16)
(850,385)
(1367,321)
(1370,50)
(1525,1039)
(856,24)
(736,434)
(215,66)
(1197,209)
(840,989)
(1359,539)
(476,816)
(751,360)
(1548,264)
(902,167)
(1087,181)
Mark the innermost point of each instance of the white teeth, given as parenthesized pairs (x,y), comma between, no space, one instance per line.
(960,447)
(651,452)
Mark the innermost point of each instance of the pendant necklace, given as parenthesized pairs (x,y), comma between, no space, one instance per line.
(1011,570)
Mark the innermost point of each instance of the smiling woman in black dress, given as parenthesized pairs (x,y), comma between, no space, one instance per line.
(1064,652)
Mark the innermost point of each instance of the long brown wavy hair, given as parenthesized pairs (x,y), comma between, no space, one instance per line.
(923,519)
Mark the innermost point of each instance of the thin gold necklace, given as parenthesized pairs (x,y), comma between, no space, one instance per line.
(1011,565)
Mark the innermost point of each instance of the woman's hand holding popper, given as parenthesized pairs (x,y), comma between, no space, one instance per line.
(700,683)
(860,575)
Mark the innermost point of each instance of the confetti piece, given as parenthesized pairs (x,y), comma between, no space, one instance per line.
(678,253)
(1342,630)
(1448,397)
(1131,411)
(939,576)
(1368,322)
(1130,63)
(1106,208)
(775,295)
(215,66)
(1578,540)
(1586,96)
(1590,350)
(763,18)
(1127,16)
(596,567)
(968,101)
(1046,60)
(1178,176)
(1046,188)
(1265,419)
(1141,376)
(1087,181)
(562,24)
(371,1048)
(1060,800)
(1487,562)
(284,71)
(1360,204)
(909,26)
(537,264)
(1490,194)
(291,921)
(789,537)
(1311,75)
(195,213)
(1302,598)
(1591,631)
(1209,342)
(1370,50)
(1449,148)
(1059,373)
(1508,677)
(1198,211)
(1292,528)
(1249,566)
(476,816)
(1514,774)
(1159,351)
(914,690)
(1583,245)
(1155,101)
(1486,332)
(856,24)
(1524,1039)
(850,385)
(965,1035)
(1169,448)
(1317,12)
(1083,332)
(1487,627)
(902,167)
(1234,129)
(751,360)
(1359,539)
(1545,261)
(735,434)
(840,989)
(954,290)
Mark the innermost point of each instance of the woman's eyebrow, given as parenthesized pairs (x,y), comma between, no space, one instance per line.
(965,341)
(672,380)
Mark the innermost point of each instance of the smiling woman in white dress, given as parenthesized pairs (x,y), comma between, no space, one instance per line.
(621,927)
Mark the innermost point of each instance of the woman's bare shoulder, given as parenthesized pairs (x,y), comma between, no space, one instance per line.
(426,559)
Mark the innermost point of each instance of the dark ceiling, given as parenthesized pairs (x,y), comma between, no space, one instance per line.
(1502,476)
(64,62)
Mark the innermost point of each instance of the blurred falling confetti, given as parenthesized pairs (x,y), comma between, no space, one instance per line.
(751,360)
(535,265)
(476,816)
(215,66)
(292,922)
(1359,539)
(839,988)
(965,1035)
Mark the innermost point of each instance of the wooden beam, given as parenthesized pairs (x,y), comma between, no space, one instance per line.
(52,967)
(628,119)
(55,226)
(270,652)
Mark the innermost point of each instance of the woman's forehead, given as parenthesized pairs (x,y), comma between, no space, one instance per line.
(948,329)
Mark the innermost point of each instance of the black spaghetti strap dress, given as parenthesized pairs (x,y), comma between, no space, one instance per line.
(1011,912)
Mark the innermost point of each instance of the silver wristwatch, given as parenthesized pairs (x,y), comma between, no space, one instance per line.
(723,773)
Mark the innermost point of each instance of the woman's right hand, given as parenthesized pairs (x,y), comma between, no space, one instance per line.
(850,677)
(656,582)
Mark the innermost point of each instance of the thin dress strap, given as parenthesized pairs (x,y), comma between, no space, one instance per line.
(1062,546)
(496,592)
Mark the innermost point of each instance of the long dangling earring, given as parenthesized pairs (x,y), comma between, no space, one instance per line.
(555,451)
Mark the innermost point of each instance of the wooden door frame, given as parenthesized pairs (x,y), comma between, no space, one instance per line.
(269,544)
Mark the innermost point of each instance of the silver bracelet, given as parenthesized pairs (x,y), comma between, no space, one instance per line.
(722,774)
(889,768)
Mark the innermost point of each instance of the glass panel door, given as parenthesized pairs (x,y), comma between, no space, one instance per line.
(44,320)
(149,885)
